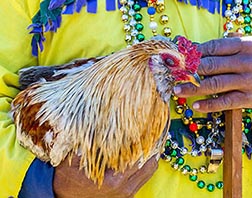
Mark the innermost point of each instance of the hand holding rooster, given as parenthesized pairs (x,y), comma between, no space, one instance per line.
(114,186)
(227,63)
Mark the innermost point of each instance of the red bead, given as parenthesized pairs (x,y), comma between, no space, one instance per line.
(193,127)
(181,101)
(225,26)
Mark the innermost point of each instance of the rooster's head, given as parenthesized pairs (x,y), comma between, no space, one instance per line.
(179,62)
(172,63)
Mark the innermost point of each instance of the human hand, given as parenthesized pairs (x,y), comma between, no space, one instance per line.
(228,64)
(70,182)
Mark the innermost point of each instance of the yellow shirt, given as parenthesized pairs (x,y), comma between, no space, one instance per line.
(87,35)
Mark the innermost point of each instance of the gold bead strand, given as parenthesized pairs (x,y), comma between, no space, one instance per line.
(238,10)
(160,6)
(166,30)
(125,18)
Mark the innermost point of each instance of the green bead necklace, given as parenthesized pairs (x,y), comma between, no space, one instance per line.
(213,142)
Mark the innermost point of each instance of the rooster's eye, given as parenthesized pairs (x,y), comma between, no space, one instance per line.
(169,62)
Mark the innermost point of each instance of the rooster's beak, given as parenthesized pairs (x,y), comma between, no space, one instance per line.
(194,79)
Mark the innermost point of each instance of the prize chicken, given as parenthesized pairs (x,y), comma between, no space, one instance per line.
(112,111)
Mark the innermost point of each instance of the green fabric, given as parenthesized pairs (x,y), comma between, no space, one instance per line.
(15,52)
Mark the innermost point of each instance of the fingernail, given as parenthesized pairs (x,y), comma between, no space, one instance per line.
(177,90)
(196,105)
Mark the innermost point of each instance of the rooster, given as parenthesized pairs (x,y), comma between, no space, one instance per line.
(112,111)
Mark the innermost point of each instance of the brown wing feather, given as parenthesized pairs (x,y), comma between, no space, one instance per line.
(31,75)
(29,126)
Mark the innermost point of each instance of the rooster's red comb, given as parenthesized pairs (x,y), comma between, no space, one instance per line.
(189,50)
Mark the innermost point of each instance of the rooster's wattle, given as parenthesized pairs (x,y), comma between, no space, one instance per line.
(112,112)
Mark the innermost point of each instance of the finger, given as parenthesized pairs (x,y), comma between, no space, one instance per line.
(212,85)
(150,165)
(225,64)
(231,100)
(220,47)
(137,180)
(235,34)
(246,45)
(131,171)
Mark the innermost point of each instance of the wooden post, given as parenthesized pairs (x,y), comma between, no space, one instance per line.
(232,177)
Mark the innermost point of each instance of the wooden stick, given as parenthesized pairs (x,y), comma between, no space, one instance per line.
(233,155)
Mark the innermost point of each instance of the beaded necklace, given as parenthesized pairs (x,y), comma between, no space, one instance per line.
(206,135)
(207,138)
(238,12)
(132,18)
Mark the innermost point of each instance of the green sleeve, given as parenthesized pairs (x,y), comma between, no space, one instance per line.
(15,53)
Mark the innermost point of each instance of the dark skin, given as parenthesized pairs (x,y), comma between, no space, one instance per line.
(70,182)
(228,65)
